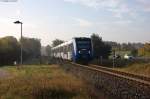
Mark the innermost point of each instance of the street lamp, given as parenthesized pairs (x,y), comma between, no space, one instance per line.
(18,22)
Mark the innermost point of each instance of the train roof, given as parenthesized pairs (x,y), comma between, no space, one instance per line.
(63,44)
(81,38)
(69,42)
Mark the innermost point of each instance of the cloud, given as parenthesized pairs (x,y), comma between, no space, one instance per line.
(89,3)
(123,22)
(30,25)
(18,12)
(96,3)
(121,10)
(83,22)
(144,4)
(6,20)
(118,8)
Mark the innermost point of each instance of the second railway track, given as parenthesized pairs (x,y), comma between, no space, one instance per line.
(120,84)
(140,77)
(135,77)
(117,83)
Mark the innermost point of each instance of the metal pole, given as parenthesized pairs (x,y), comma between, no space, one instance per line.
(101,59)
(114,55)
(21,46)
(18,22)
(113,62)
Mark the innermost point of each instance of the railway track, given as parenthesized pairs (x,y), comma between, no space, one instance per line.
(125,75)
(120,84)
(140,77)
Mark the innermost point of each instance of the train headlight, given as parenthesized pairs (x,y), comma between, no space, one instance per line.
(79,52)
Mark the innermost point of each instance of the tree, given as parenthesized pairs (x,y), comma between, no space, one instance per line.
(56,42)
(145,50)
(31,48)
(134,52)
(48,50)
(100,47)
(9,50)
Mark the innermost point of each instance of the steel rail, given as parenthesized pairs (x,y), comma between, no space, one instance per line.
(116,73)
(141,77)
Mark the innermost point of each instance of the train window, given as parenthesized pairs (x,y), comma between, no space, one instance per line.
(83,42)
(86,44)
(83,46)
(70,46)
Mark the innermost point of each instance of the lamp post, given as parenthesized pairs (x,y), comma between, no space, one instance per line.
(18,22)
(114,57)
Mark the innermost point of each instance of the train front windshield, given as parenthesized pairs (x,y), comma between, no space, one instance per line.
(84,44)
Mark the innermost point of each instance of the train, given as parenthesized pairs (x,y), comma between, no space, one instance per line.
(78,50)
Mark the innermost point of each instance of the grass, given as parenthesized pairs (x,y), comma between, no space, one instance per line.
(42,82)
(140,69)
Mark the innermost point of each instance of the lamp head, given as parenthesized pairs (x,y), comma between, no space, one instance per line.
(18,22)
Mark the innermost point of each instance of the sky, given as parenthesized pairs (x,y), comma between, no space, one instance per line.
(114,20)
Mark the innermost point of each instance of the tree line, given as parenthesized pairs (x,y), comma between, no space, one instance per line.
(10,49)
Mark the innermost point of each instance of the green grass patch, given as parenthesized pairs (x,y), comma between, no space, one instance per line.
(42,82)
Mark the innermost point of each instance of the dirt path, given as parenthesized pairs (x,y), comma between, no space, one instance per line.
(4,74)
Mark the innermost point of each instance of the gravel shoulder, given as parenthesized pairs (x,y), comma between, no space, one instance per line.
(4,74)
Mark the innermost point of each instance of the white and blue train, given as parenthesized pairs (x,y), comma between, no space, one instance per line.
(77,50)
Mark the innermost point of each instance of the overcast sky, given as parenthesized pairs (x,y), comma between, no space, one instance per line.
(114,20)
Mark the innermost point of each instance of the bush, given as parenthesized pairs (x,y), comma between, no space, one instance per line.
(118,62)
(42,82)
